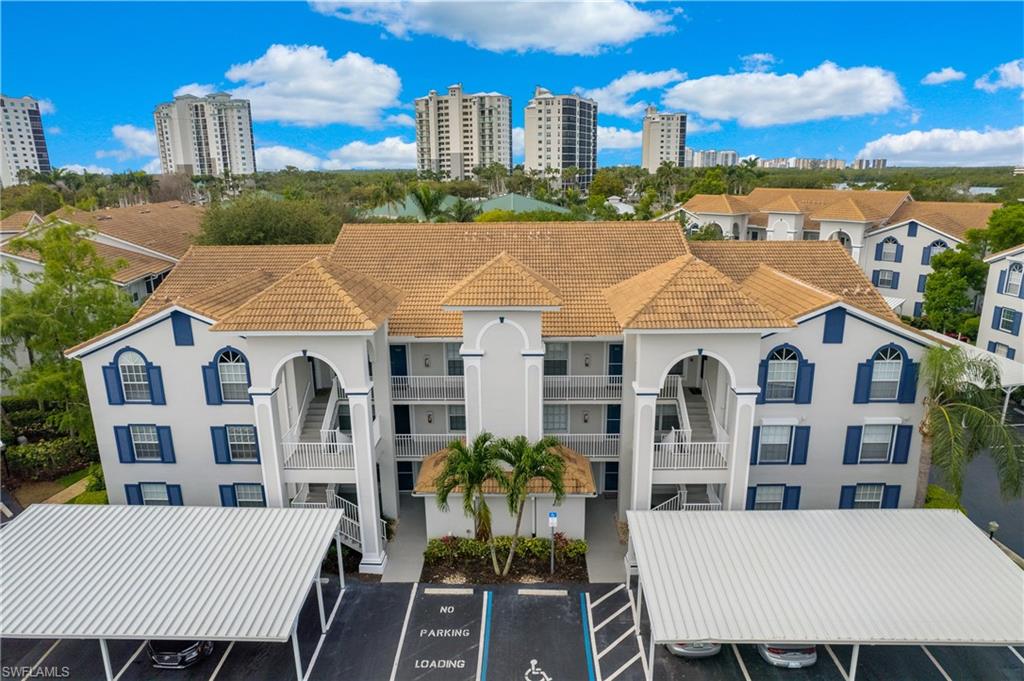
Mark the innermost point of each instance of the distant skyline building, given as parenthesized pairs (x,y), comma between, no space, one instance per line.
(22,139)
(710,158)
(869,163)
(664,139)
(457,132)
(803,163)
(561,132)
(209,135)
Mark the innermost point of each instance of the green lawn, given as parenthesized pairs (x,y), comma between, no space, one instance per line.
(938,497)
(72,478)
(99,497)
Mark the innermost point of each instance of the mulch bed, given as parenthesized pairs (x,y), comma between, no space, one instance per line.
(525,570)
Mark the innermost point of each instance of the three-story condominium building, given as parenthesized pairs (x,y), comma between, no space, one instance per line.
(1003,309)
(891,236)
(561,133)
(209,135)
(457,132)
(704,375)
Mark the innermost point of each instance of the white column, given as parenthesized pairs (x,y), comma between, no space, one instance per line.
(374,557)
(855,251)
(105,654)
(385,417)
(534,367)
(269,436)
(645,401)
(739,454)
(471,367)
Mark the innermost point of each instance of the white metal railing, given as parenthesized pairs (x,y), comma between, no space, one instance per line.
(712,413)
(679,503)
(331,453)
(684,414)
(331,412)
(349,525)
(415,447)
(675,453)
(427,388)
(673,387)
(603,446)
(569,388)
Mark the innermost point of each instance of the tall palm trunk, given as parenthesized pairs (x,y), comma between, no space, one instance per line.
(924,467)
(483,532)
(515,539)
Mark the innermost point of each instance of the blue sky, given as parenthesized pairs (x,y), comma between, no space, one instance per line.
(332,84)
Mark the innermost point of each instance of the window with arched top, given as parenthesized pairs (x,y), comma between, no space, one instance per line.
(1014,277)
(885,374)
(134,377)
(889,376)
(932,250)
(233,373)
(889,250)
(785,376)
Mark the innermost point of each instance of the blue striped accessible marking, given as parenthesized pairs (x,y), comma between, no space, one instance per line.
(487,635)
(586,637)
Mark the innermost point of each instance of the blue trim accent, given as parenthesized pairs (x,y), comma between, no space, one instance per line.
(918,309)
(846,496)
(471,354)
(891,496)
(751,498)
(121,339)
(835,325)
(487,635)
(850,313)
(211,372)
(800,440)
(911,228)
(133,495)
(228,498)
(174,495)
(586,637)
(272,392)
(901,447)
(922,279)
(181,325)
(791,498)
(755,444)
(851,449)
(525,354)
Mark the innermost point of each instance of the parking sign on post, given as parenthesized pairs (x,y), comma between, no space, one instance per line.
(552,523)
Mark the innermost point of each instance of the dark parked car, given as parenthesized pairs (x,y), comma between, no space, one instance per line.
(178,654)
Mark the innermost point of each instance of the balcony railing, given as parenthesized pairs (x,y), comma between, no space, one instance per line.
(675,453)
(331,453)
(427,388)
(415,447)
(582,388)
(679,503)
(595,446)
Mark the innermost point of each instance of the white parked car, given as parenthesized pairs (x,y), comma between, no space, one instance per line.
(787,655)
(694,650)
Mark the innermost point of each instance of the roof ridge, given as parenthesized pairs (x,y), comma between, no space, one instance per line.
(531,276)
(794,280)
(340,290)
(683,261)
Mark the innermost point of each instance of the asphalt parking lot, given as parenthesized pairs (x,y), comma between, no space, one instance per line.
(405,632)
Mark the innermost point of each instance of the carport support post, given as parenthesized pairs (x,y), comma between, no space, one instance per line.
(295,649)
(105,654)
(852,676)
(650,657)
(341,568)
(320,603)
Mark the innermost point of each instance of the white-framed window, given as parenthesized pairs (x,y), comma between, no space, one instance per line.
(1006,319)
(885,278)
(885,374)
(556,418)
(868,495)
(889,248)
(134,377)
(1001,349)
(155,494)
(782,370)
(936,247)
(146,443)
(456,418)
(248,494)
(876,443)
(242,443)
(1014,276)
(453,360)
(666,417)
(774,444)
(234,377)
(556,359)
(769,497)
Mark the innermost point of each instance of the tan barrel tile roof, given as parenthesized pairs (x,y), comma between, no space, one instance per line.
(687,293)
(218,301)
(847,209)
(168,228)
(719,204)
(950,217)
(784,293)
(130,265)
(503,282)
(783,204)
(578,478)
(1012,250)
(810,201)
(317,296)
(18,222)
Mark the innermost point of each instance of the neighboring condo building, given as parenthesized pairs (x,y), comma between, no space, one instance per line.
(664,139)
(561,132)
(869,163)
(457,132)
(1003,310)
(686,376)
(209,135)
(891,236)
(22,139)
(710,158)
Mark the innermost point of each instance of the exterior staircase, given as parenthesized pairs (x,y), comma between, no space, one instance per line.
(701,427)
(314,418)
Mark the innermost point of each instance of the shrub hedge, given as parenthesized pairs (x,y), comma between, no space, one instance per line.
(465,548)
(48,459)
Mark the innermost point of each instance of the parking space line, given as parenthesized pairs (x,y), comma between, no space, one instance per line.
(601,600)
(442,591)
(593,639)
(130,660)
(835,659)
(405,626)
(936,663)
(588,641)
(1014,651)
(639,638)
(739,659)
(625,666)
(616,642)
(223,659)
(485,637)
(612,617)
(32,669)
(543,592)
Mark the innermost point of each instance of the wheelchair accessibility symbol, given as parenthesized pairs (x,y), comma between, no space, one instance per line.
(535,673)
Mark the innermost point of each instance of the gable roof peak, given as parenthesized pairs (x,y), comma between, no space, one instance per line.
(501,282)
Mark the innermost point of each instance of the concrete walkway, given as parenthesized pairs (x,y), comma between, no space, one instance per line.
(68,493)
(604,552)
(405,551)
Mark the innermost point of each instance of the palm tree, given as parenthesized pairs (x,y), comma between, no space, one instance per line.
(466,470)
(462,211)
(430,201)
(529,461)
(390,192)
(962,419)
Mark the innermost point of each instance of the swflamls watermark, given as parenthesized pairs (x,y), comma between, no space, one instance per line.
(40,672)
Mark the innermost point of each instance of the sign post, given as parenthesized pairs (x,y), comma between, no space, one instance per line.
(552,523)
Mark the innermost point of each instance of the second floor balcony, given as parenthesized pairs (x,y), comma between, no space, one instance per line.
(427,388)
(333,451)
(674,451)
(594,446)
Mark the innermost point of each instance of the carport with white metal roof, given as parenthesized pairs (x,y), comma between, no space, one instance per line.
(856,577)
(164,572)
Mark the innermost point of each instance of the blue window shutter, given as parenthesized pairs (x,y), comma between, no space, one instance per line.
(227,495)
(221,453)
(899,252)
(895,280)
(1015,329)
(1002,282)
(804,382)
(755,441)
(125,449)
(901,450)
(791,498)
(133,495)
(874,277)
(1011,353)
(878,251)
(181,324)
(997,312)
(846,495)
(751,495)
(163,434)
(115,394)
(801,438)
(211,383)
(762,379)
(926,255)
(156,385)
(174,495)
(908,382)
(918,308)
(862,390)
(912,229)
(891,496)
(922,279)
(851,453)
(991,346)
(835,325)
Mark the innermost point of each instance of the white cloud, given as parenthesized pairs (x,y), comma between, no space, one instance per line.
(302,85)
(763,99)
(391,152)
(614,97)
(278,156)
(400,119)
(943,146)
(518,142)
(152,166)
(501,26)
(1009,75)
(618,138)
(46,107)
(944,75)
(80,169)
(53,130)
(695,126)
(135,142)
(197,89)
(758,62)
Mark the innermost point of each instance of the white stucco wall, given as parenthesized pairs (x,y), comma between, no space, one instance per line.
(993,299)
(910,267)
(571,516)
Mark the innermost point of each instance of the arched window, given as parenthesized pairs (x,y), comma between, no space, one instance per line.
(844,239)
(934,248)
(1014,275)
(887,366)
(782,370)
(889,250)
(234,376)
(134,377)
